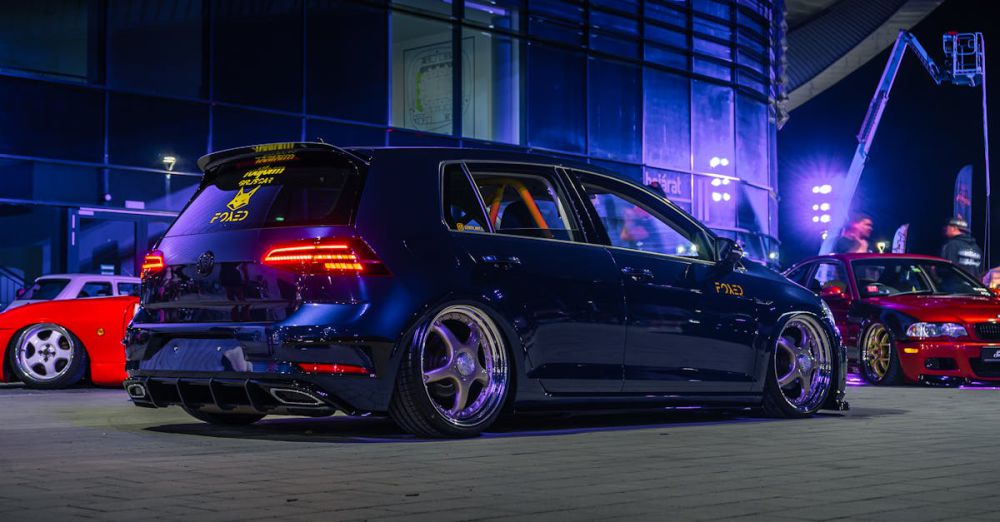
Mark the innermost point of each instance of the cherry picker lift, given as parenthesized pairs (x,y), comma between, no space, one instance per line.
(965,65)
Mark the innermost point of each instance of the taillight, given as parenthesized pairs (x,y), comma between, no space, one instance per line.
(336,369)
(153,263)
(325,256)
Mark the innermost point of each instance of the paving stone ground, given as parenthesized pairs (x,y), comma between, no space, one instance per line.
(909,453)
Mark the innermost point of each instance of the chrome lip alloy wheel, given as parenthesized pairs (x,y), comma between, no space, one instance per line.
(877,352)
(803,363)
(464,365)
(44,352)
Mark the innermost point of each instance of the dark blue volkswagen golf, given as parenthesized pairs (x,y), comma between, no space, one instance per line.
(450,287)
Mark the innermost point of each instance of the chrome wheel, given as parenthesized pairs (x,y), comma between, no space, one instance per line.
(45,353)
(464,365)
(803,364)
(877,353)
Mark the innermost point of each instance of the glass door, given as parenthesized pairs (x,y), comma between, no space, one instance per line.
(112,242)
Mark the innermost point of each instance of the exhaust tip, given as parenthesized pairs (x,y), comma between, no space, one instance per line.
(292,397)
(136,391)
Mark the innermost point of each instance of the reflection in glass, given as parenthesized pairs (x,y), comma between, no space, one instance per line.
(712,119)
(495,99)
(422,74)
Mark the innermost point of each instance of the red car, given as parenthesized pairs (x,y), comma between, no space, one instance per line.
(908,318)
(55,344)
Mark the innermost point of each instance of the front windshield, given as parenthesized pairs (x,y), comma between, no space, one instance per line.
(895,276)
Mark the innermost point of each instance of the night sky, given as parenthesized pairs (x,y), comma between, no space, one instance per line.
(927,134)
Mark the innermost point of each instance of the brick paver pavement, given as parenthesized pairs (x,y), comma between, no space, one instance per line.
(908,454)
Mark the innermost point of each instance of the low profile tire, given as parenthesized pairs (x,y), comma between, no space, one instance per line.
(454,379)
(800,376)
(224,419)
(878,360)
(48,356)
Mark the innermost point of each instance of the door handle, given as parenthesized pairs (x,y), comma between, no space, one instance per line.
(637,274)
(505,262)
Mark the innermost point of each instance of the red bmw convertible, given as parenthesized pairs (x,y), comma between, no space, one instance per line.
(908,318)
(54,344)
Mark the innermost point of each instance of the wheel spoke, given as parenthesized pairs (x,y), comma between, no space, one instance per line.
(34,340)
(461,397)
(451,343)
(50,366)
(787,346)
(440,374)
(788,378)
(805,380)
(54,338)
(482,376)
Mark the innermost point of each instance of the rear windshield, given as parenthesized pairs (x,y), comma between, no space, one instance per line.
(273,190)
(45,289)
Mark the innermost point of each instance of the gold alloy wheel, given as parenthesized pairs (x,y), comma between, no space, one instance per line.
(877,352)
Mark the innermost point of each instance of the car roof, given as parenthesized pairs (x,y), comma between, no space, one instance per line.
(94,277)
(867,255)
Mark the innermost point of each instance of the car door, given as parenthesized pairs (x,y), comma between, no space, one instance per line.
(830,281)
(517,225)
(690,324)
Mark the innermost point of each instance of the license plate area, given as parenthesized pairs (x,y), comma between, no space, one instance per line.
(990,354)
(198,355)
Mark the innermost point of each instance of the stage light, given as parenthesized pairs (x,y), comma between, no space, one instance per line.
(716,182)
(725,181)
(816,207)
(825,189)
(726,196)
(716,197)
(772,256)
(815,219)
(824,207)
(815,189)
(825,218)
(169,162)
(714,162)
(724,162)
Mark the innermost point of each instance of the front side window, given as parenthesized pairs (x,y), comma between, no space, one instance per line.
(523,204)
(95,289)
(634,220)
(128,289)
(45,289)
(883,277)
(827,275)
(799,274)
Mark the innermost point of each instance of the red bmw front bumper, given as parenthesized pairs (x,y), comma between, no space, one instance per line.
(960,360)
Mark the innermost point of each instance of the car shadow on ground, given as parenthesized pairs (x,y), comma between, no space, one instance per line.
(343,429)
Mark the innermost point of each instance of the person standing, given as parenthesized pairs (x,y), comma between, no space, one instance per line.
(961,248)
(854,237)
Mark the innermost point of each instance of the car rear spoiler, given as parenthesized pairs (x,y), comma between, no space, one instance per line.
(210,161)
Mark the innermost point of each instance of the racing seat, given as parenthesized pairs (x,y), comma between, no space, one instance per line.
(517,220)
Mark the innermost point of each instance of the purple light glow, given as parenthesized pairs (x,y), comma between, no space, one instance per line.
(854,379)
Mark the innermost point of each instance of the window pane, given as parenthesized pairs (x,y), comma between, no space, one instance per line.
(495,100)
(667,125)
(635,225)
(716,200)
(96,289)
(72,126)
(258,53)
(430,6)
(343,134)
(238,128)
(422,74)
(150,190)
(137,33)
(712,118)
(538,212)
(32,242)
(143,130)
(45,289)
(556,90)
(827,275)
(32,180)
(347,40)
(751,133)
(462,207)
(752,208)
(614,110)
(128,289)
(50,36)
(499,14)
(105,246)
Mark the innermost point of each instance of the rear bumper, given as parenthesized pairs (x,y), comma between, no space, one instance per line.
(937,360)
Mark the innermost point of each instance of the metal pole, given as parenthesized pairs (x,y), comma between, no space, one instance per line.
(986,147)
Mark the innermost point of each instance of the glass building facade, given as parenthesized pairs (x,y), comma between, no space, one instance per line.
(109,103)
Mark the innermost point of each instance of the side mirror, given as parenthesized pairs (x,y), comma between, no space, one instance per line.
(832,292)
(20,292)
(995,291)
(730,252)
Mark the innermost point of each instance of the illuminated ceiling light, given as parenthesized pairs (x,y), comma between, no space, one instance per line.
(716,182)
(825,189)
(716,197)
(714,162)
(816,207)
(824,207)
(169,162)
(726,196)
(825,218)
(815,219)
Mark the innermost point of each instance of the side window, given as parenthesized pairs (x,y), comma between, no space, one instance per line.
(128,289)
(95,289)
(462,208)
(632,221)
(524,204)
(799,274)
(827,274)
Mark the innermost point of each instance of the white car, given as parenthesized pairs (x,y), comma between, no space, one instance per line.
(75,286)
